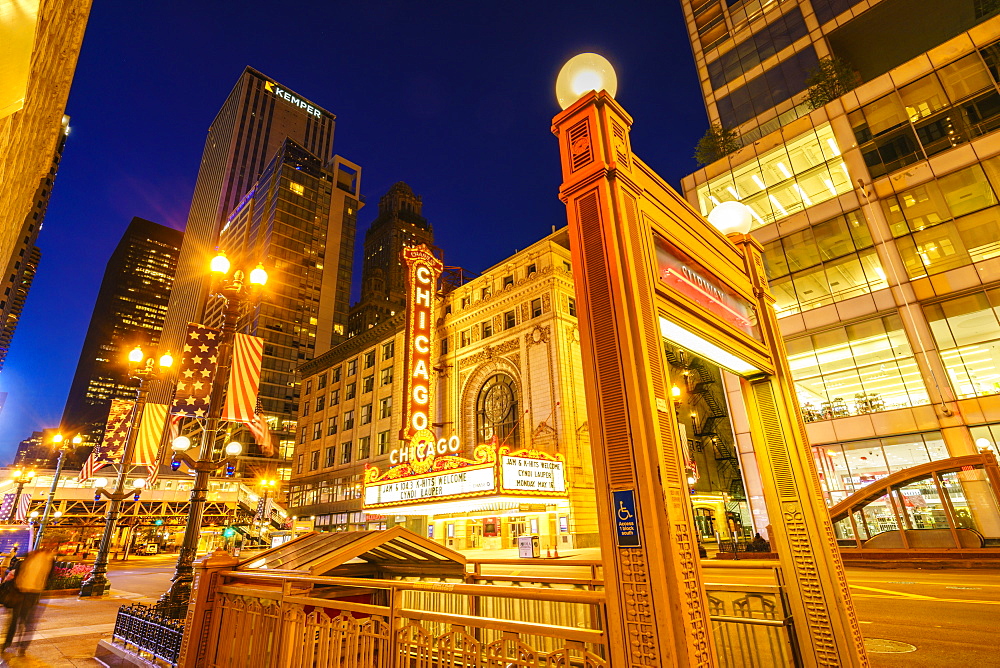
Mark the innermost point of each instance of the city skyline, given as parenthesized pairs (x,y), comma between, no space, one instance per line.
(135,140)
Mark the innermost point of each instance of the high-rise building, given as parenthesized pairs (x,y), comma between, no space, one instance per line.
(383,277)
(37,450)
(129,311)
(252,125)
(23,263)
(41,44)
(299,221)
(878,206)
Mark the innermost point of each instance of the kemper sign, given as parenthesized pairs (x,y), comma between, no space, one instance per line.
(292,98)
(422,273)
(676,269)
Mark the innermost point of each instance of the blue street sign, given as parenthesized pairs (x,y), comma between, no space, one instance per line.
(626,518)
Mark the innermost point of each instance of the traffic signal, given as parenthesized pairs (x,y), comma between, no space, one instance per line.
(228,532)
(158,523)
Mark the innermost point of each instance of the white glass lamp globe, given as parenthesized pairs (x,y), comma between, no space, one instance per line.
(983,443)
(731,217)
(100,482)
(139,483)
(583,73)
(233,448)
(180,443)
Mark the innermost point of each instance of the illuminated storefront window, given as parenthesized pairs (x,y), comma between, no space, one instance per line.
(948,223)
(856,369)
(828,262)
(844,468)
(802,172)
(967,332)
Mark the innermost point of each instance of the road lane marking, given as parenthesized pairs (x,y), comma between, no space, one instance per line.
(902,594)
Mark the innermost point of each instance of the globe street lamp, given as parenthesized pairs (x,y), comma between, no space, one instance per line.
(20,478)
(145,369)
(235,293)
(58,441)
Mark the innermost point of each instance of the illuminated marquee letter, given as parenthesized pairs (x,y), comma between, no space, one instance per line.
(422,271)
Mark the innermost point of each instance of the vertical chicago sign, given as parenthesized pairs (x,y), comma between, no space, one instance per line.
(422,271)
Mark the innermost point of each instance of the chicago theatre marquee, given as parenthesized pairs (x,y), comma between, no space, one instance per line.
(461,417)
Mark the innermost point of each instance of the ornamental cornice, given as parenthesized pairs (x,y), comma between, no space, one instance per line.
(476,310)
(488,353)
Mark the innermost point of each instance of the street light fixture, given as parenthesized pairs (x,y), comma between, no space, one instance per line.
(19,478)
(235,292)
(145,369)
(59,442)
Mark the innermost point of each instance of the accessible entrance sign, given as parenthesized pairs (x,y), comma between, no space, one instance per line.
(626,518)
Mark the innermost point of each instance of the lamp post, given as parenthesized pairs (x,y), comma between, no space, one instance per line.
(235,293)
(58,440)
(267,484)
(144,369)
(20,478)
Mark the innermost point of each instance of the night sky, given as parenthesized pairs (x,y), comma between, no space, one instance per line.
(454,98)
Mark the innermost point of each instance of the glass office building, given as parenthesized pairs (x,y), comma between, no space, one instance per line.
(878,213)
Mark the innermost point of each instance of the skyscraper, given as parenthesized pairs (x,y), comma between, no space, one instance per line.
(383,277)
(23,263)
(299,220)
(130,310)
(878,206)
(252,125)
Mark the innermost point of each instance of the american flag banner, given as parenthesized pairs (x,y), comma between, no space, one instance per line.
(244,378)
(147,446)
(263,510)
(22,508)
(261,432)
(112,447)
(197,371)
(8,501)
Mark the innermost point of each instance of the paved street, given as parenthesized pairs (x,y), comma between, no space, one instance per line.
(949,617)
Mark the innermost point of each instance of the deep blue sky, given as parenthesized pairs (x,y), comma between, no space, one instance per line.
(455,98)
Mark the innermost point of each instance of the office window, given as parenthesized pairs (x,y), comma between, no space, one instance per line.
(321,381)
(368,383)
(303,433)
(331,456)
(320,403)
(369,359)
(388,350)
(466,301)
(508,281)
(309,386)
(509,319)
(335,397)
(465,338)
(384,407)
(314,460)
(382,442)
(317,430)
(350,391)
(335,375)
(300,463)
(967,332)
(444,345)
(366,414)
(536,307)
(331,426)
(531,269)
(352,368)
(364,447)
(385,377)
(348,420)
(571,304)
(866,367)
(345,453)
(306,404)
(487,329)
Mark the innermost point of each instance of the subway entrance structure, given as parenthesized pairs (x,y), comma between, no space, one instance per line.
(652,273)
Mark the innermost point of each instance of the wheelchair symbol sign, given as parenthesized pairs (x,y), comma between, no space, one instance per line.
(626,518)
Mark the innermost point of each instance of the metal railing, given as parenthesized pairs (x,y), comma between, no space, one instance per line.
(277,619)
(154,631)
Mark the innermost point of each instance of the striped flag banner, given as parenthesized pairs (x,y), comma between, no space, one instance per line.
(244,379)
(112,447)
(197,371)
(8,501)
(154,421)
(22,507)
(261,432)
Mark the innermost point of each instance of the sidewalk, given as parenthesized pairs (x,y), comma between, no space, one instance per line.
(68,630)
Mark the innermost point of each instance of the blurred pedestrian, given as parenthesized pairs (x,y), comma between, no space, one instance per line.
(7,560)
(29,576)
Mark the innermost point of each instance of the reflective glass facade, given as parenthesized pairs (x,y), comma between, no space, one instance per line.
(805,171)
(967,332)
